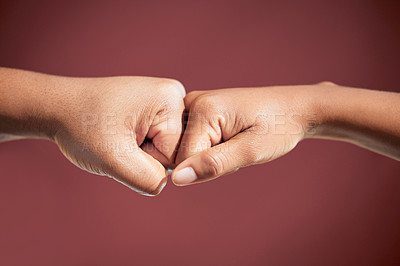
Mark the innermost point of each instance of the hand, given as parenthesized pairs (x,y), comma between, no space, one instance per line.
(123,127)
(232,128)
(127,128)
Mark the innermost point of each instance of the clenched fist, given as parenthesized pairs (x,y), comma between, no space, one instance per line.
(232,128)
(127,128)
(124,127)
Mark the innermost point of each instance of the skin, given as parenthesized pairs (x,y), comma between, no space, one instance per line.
(232,128)
(127,128)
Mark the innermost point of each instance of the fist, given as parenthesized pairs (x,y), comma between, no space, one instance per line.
(127,128)
(232,128)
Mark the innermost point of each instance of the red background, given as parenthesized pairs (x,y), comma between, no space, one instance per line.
(325,203)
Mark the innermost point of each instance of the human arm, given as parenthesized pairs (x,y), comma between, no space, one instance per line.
(232,128)
(127,128)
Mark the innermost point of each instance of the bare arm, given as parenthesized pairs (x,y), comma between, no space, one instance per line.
(232,128)
(367,118)
(99,124)
(29,103)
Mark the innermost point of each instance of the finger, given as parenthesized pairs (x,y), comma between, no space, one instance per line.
(191,96)
(152,150)
(136,169)
(196,138)
(218,160)
(166,131)
(166,136)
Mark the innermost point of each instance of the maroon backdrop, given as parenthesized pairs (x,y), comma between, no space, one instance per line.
(325,203)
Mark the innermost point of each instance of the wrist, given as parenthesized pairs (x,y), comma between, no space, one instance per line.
(320,109)
(335,107)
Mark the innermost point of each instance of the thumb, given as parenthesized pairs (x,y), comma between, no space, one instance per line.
(218,160)
(136,169)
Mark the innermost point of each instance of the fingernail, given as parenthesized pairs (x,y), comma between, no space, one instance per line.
(161,186)
(185,176)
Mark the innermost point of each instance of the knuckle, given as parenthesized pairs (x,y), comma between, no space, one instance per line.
(206,104)
(253,155)
(170,92)
(327,83)
(189,99)
(214,164)
(171,86)
(190,95)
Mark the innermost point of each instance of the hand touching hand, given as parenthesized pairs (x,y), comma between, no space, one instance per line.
(232,128)
(123,127)
(129,127)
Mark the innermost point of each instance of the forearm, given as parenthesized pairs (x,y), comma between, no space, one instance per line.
(367,118)
(29,103)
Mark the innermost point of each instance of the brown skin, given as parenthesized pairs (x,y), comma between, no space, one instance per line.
(102,124)
(99,124)
(231,128)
